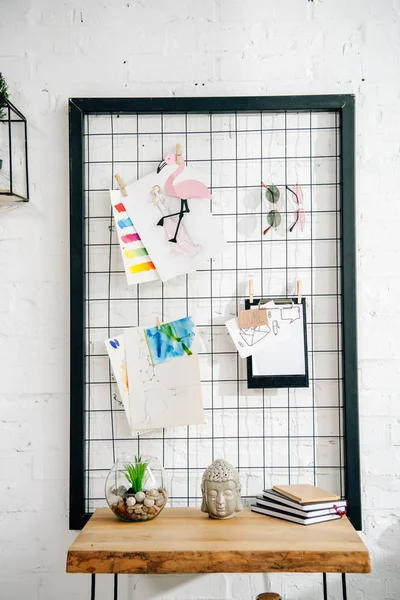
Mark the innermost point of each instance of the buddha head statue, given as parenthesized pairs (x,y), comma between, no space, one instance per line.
(220,489)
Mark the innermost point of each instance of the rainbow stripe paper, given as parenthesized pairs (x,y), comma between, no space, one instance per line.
(138,265)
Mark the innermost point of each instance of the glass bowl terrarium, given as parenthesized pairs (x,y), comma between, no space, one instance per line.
(135,488)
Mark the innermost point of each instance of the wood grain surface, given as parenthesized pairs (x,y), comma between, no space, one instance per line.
(185,540)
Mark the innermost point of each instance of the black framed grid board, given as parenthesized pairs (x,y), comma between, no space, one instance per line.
(272,435)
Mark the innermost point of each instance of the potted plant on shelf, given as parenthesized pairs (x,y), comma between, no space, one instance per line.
(3,99)
(146,495)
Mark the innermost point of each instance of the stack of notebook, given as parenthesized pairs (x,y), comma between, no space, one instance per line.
(304,504)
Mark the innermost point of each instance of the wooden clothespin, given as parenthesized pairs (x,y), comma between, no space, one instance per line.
(299,286)
(121,185)
(158,324)
(252,318)
(178,153)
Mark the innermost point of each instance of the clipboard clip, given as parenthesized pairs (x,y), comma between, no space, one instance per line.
(282,302)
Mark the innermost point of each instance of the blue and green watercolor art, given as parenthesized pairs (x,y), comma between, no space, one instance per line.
(171,340)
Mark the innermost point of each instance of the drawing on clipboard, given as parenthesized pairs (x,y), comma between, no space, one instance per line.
(291,314)
(254,340)
(253,335)
(283,364)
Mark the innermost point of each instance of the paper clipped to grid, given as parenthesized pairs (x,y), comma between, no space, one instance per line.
(115,347)
(116,351)
(288,357)
(162,395)
(199,237)
(139,268)
(262,337)
(170,340)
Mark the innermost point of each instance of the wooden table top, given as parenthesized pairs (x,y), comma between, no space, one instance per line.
(185,540)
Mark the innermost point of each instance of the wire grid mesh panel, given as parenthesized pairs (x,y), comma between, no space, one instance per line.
(271,435)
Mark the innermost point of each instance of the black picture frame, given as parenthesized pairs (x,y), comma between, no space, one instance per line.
(279,381)
(79,108)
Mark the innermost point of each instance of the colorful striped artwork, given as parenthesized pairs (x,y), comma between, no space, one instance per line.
(139,267)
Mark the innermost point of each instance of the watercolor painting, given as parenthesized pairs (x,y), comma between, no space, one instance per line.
(139,267)
(176,245)
(183,190)
(122,373)
(165,395)
(116,352)
(170,340)
(184,244)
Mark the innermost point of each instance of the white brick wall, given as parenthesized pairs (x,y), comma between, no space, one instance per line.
(53,50)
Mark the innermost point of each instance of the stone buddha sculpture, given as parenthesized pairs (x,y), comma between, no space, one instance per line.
(220,489)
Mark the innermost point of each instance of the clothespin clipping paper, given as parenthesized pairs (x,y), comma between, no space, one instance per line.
(178,153)
(251,291)
(252,318)
(299,286)
(121,185)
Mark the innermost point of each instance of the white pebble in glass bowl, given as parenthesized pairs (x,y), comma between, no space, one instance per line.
(135,489)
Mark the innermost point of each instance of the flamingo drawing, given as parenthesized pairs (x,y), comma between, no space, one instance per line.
(184,190)
(184,244)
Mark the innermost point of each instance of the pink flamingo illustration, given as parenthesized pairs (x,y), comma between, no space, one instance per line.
(184,190)
(184,243)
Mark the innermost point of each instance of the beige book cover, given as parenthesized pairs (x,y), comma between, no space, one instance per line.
(305,493)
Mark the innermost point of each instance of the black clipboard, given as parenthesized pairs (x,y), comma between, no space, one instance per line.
(279,381)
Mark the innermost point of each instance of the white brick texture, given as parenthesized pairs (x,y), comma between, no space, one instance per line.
(50,51)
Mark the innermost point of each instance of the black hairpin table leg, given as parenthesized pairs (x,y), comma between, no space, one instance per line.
(324,584)
(93,587)
(344,588)
(115,587)
(325,587)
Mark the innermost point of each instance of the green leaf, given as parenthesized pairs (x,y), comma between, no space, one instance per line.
(3,96)
(135,473)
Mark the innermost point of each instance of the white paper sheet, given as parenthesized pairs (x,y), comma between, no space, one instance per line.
(116,351)
(165,395)
(199,237)
(288,357)
(139,268)
(251,341)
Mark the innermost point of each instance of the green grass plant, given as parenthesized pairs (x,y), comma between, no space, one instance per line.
(3,96)
(135,473)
